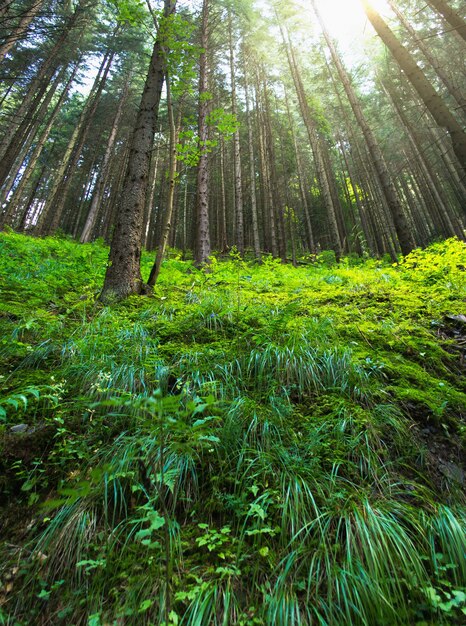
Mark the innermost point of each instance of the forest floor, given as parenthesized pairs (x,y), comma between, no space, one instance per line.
(259,444)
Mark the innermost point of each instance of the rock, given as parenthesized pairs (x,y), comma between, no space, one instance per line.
(452,471)
(457,318)
(19,428)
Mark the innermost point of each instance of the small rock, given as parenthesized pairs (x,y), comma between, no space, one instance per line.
(19,428)
(452,471)
(457,318)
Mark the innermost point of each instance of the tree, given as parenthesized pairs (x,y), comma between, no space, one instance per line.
(415,75)
(387,186)
(123,275)
(202,250)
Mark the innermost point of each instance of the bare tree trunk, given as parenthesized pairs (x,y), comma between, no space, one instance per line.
(427,93)
(13,203)
(53,210)
(302,191)
(167,216)
(14,135)
(450,16)
(123,276)
(21,28)
(27,130)
(252,175)
(222,231)
(202,251)
(439,212)
(426,51)
(237,149)
(316,146)
(386,184)
(276,204)
(103,176)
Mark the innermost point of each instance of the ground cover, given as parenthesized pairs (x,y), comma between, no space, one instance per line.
(249,445)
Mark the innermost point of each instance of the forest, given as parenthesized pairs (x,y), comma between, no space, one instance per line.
(232,312)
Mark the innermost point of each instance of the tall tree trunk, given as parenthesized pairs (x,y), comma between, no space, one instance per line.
(317,150)
(103,175)
(276,203)
(172,167)
(252,175)
(13,203)
(237,148)
(14,135)
(302,191)
(21,28)
(53,210)
(123,275)
(450,16)
(386,184)
(437,66)
(427,93)
(202,246)
(27,129)
(440,213)
(222,237)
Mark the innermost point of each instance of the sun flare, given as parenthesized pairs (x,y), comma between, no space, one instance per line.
(346,19)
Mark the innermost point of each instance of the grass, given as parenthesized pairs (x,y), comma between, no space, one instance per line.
(254,445)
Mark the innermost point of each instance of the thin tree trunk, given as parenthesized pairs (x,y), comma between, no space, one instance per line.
(386,184)
(440,216)
(16,198)
(427,93)
(21,28)
(53,211)
(437,66)
(172,173)
(14,134)
(316,146)
(237,149)
(202,246)
(252,175)
(103,176)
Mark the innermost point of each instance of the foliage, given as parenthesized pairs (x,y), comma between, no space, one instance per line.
(255,444)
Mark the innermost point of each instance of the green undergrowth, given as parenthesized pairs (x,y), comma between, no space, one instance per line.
(254,444)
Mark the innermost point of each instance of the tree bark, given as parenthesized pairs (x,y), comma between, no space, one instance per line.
(103,175)
(237,148)
(427,93)
(317,150)
(252,175)
(21,28)
(450,16)
(386,184)
(202,251)
(426,51)
(123,275)
(172,173)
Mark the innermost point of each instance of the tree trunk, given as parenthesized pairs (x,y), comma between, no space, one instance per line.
(237,149)
(427,93)
(386,184)
(56,202)
(450,16)
(21,28)
(316,146)
(437,66)
(123,275)
(252,175)
(14,135)
(103,176)
(16,198)
(202,251)
(167,216)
